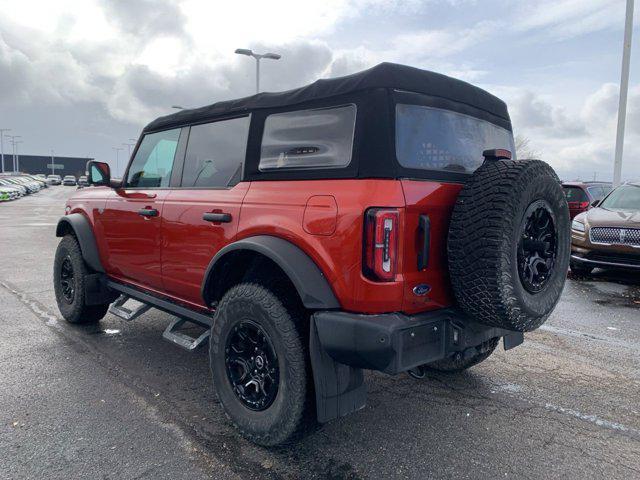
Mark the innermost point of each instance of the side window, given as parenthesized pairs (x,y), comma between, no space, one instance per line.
(152,165)
(215,153)
(319,138)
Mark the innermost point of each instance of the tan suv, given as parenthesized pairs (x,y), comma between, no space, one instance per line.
(609,234)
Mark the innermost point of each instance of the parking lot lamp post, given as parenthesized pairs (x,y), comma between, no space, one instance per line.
(129,145)
(117,149)
(624,88)
(258,57)
(15,144)
(2,130)
(13,151)
(53,162)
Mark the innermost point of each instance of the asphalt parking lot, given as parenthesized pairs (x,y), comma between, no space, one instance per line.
(116,401)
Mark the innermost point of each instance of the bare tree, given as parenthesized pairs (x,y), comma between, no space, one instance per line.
(524,149)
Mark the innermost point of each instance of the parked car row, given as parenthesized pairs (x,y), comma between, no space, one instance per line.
(606,234)
(14,186)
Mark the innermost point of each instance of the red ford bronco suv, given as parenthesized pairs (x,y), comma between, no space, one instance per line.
(375,221)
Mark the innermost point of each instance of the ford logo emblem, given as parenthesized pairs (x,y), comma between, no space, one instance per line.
(421,289)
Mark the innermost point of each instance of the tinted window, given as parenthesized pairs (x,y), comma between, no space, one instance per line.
(320,138)
(215,153)
(575,194)
(626,197)
(434,139)
(151,167)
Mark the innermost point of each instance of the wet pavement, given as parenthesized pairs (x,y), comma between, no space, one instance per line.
(116,401)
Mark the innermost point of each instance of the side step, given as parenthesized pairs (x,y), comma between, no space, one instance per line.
(181,339)
(118,309)
(172,332)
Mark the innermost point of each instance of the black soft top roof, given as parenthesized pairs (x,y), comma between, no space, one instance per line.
(384,75)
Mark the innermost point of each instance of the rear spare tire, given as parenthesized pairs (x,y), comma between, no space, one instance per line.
(509,244)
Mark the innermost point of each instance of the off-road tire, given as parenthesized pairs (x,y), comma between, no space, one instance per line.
(459,363)
(291,412)
(76,310)
(486,226)
(581,270)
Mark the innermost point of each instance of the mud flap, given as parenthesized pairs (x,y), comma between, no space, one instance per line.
(340,389)
(96,291)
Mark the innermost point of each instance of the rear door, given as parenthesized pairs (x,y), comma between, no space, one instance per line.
(441,148)
(132,215)
(201,215)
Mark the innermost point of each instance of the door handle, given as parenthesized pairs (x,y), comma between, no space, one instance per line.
(424,227)
(217,217)
(148,212)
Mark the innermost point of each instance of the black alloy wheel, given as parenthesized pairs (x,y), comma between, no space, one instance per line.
(67,280)
(537,248)
(251,365)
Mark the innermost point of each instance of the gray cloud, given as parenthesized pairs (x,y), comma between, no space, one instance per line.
(147,18)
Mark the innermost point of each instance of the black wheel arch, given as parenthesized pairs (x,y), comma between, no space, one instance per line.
(79,226)
(307,278)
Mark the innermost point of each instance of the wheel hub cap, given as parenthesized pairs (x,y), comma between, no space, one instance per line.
(67,280)
(537,247)
(252,365)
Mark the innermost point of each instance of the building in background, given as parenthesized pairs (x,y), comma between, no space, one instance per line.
(42,164)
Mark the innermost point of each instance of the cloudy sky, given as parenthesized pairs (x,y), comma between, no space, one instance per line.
(82,77)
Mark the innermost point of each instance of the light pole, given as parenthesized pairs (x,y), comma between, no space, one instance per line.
(2,130)
(624,88)
(53,162)
(258,57)
(117,149)
(129,145)
(13,145)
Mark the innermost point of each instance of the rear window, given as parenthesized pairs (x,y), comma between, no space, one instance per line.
(304,139)
(575,194)
(430,138)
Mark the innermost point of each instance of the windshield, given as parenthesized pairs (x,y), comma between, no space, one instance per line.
(625,197)
(434,139)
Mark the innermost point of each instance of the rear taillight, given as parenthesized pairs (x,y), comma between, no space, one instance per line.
(380,243)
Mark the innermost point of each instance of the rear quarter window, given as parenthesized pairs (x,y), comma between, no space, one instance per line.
(308,139)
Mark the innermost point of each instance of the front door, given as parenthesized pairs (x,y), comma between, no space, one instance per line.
(201,216)
(132,217)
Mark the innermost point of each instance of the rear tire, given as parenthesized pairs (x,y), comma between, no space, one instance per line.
(69,272)
(509,244)
(252,317)
(458,364)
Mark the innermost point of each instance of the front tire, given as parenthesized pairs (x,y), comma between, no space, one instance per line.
(259,364)
(69,272)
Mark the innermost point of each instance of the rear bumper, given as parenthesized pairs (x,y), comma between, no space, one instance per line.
(394,343)
(343,344)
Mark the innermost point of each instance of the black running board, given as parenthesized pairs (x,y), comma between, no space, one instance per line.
(171,333)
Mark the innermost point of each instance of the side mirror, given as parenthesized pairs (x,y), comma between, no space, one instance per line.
(98,173)
(595,203)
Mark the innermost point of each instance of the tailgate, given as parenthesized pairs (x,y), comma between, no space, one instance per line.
(428,209)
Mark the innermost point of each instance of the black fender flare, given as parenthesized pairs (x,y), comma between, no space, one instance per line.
(309,281)
(81,227)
